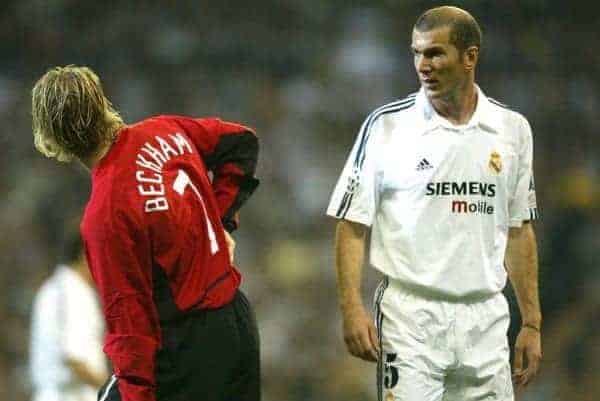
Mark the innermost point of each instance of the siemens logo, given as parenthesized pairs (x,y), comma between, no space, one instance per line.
(461,188)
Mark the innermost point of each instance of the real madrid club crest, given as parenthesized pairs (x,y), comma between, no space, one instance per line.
(495,162)
(389,396)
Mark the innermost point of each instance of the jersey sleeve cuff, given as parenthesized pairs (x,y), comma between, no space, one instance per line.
(130,391)
(364,220)
(516,223)
(530,215)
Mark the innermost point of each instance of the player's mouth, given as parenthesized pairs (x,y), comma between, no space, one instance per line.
(430,82)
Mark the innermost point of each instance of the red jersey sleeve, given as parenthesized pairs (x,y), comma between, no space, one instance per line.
(119,256)
(230,151)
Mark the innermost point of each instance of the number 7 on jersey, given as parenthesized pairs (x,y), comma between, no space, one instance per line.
(179,185)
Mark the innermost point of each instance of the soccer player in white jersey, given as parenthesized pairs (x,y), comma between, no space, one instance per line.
(443,181)
(66,359)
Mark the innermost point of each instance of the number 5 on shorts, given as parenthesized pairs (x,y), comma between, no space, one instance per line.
(390,372)
(181,182)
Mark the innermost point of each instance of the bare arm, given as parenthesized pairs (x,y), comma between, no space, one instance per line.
(350,253)
(359,331)
(84,373)
(522,262)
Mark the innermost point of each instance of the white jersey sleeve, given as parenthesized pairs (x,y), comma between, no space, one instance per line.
(74,342)
(81,341)
(44,331)
(354,195)
(523,204)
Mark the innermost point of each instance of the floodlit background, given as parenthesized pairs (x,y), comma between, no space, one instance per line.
(304,73)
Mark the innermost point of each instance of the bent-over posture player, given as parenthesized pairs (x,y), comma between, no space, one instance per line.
(178,328)
(443,181)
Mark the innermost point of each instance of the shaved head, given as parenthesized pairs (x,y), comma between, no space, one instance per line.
(464,30)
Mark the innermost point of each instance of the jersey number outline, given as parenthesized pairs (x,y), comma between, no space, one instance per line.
(181,182)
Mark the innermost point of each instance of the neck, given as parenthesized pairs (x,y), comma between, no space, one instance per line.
(93,160)
(458,107)
(80,267)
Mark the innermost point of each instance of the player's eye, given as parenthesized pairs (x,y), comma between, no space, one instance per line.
(433,53)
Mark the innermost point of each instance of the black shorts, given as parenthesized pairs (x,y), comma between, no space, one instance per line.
(210,355)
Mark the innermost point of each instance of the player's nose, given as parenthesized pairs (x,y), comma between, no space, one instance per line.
(422,64)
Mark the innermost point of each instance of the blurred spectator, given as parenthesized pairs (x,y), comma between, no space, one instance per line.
(66,360)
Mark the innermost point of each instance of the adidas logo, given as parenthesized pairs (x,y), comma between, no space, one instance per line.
(423,165)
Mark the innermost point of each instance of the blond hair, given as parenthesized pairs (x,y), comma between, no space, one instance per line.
(71,115)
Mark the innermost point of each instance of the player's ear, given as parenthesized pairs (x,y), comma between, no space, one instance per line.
(470,57)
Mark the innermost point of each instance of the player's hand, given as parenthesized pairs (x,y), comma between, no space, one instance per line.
(360,334)
(528,349)
(230,245)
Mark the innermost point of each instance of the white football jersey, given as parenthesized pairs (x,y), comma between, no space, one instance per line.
(439,198)
(66,322)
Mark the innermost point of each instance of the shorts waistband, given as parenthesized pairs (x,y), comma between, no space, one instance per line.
(436,295)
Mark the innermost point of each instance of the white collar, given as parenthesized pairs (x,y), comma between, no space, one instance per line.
(484,116)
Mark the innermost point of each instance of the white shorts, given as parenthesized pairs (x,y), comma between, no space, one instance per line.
(433,350)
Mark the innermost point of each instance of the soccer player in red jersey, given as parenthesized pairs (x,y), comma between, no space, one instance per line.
(155,231)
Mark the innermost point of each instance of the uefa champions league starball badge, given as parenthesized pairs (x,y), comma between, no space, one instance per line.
(495,162)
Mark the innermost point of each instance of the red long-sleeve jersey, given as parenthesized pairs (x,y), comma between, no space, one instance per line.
(154,213)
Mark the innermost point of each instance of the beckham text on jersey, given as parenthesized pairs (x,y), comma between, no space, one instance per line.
(151,159)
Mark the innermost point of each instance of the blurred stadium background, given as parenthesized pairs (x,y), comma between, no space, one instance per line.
(305,73)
